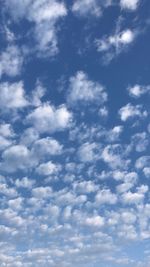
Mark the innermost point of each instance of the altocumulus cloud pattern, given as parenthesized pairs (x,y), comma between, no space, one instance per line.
(74,133)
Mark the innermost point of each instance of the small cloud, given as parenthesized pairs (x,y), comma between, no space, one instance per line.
(129,112)
(129,4)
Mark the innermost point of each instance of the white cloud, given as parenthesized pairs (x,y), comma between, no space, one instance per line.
(114,156)
(129,112)
(88,152)
(95,221)
(44,14)
(105,196)
(11,61)
(46,146)
(113,45)
(116,41)
(85,7)
(103,112)
(4,143)
(82,89)
(138,90)
(6,130)
(85,187)
(47,118)
(128,217)
(48,168)
(24,182)
(142,162)
(129,4)
(29,136)
(140,141)
(37,94)
(17,157)
(42,192)
(135,198)
(12,96)
(124,187)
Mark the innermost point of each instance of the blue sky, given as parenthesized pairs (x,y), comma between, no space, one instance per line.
(74,133)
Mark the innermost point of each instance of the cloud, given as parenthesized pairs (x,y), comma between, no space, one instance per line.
(140,141)
(113,45)
(142,162)
(138,90)
(44,14)
(129,4)
(85,187)
(46,146)
(17,157)
(135,198)
(87,152)
(11,61)
(12,96)
(105,196)
(6,130)
(85,7)
(4,143)
(25,182)
(115,156)
(130,112)
(83,90)
(95,221)
(48,119)
(48,168)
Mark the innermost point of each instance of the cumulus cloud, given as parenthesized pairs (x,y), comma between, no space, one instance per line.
(83,90)
(88,152)
(137,197)
(113,45)
(138,90)
(129,4)
(6,130)
(46,146)
(105,196)
(95,221)
(12,96)
(142,162)
(48,168)
(130,111)
(17,157)
(115,156)
(85,7)
(47,118)
(11,61)
(44,15)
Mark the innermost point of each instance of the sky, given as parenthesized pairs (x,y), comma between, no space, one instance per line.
(74,133)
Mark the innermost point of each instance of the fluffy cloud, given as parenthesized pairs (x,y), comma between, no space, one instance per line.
(17,157)
(12,96)
(82,89)
(11,61)
(129,4)
(6,130)
(142,162)
(48,168)
(95,221)
(138,90)
(88,152)
(114,156)
(44,15)
(137,197)
(105,196)
(114,44)
(47,118)
(129,112)
(46,146)
(85,7)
